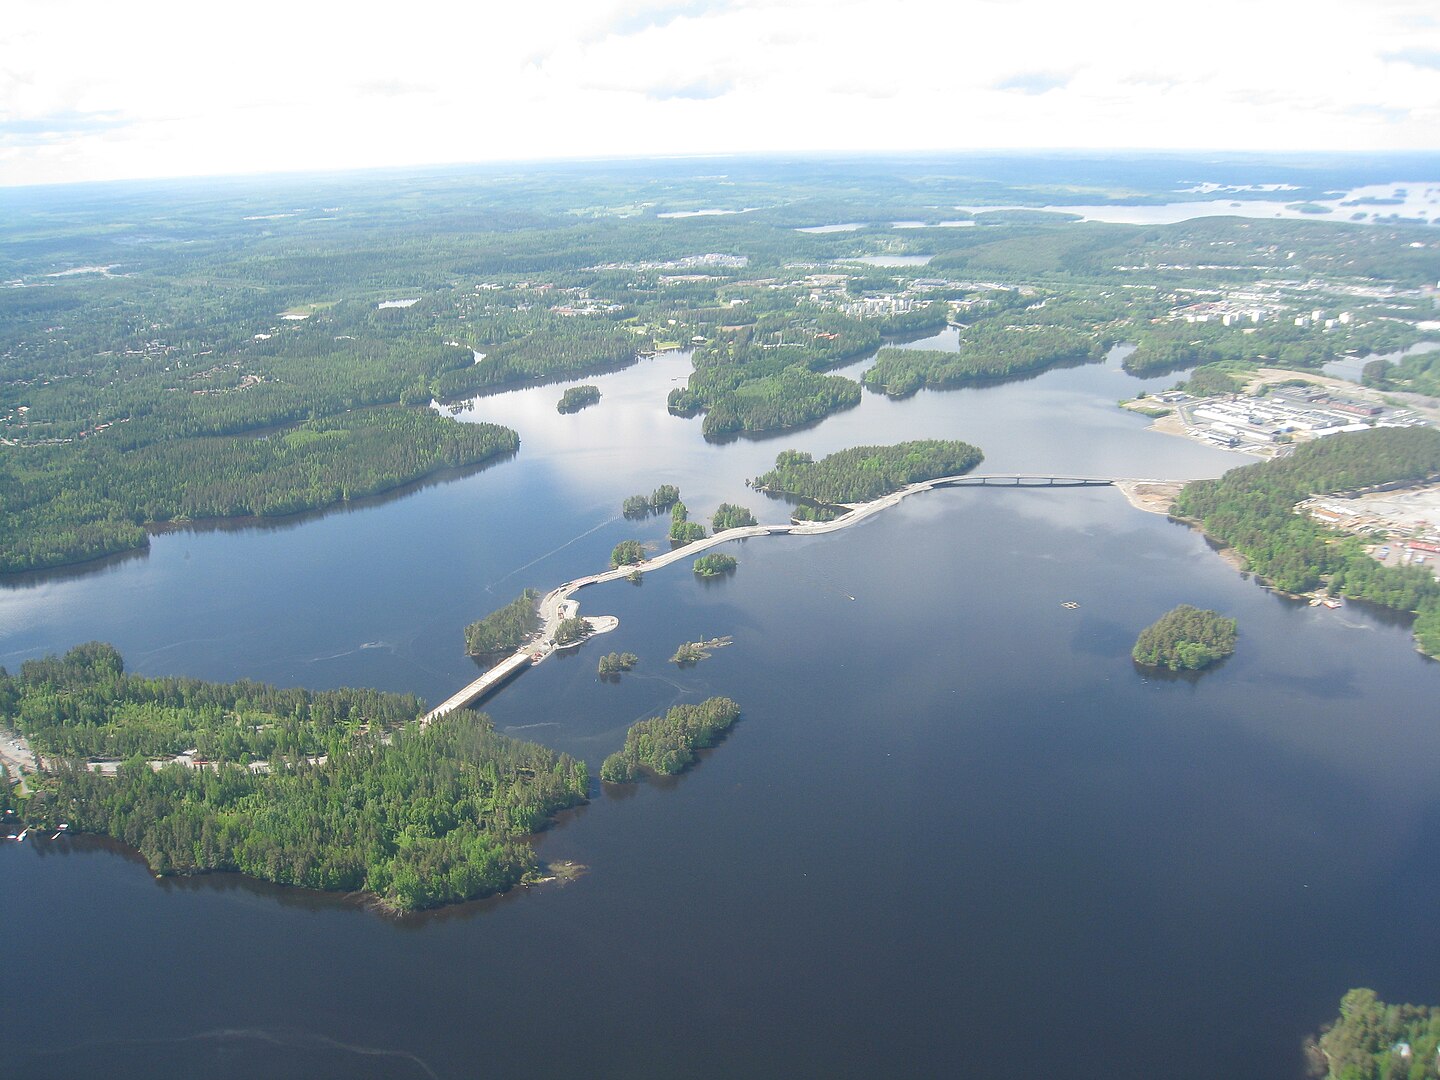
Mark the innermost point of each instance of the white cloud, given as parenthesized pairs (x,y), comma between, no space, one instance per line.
(93,89)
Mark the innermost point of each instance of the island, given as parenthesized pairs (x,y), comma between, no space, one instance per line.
(863,473)
(1252,511)
(627,553)
(682,529)
(1374,1041)
(662,498)
(1185,638)
(690,653)
(506,628)
(715,565)
(578,397)
(730,516)
(667,745)
(340,790)
(613,663)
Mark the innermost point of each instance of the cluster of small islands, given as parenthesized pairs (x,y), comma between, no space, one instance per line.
(292,396)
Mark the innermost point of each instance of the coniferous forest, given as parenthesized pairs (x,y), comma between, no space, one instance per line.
(339,790)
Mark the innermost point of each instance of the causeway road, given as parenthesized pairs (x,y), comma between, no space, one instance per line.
(557,604)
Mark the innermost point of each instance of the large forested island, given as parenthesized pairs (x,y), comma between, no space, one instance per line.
(862,473)
(1252,510)
(339,790)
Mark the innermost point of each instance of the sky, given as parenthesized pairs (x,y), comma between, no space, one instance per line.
(111,89)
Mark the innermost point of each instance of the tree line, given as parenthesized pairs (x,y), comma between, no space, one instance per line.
(416,816)
(1252,509)
(666,745)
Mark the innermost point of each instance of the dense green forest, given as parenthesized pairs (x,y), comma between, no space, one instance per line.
(577,398)
(1251,509)
(666,745)
(985,356)
(84,705)
(1170,346)
(505,629)
(613,663)
(627,553)
(354,795)
(66,504)
(576,628)
(863,473)
(1374,1041)
(715,564)
(682,529)
(661,499)
(1185,638)
(730,516)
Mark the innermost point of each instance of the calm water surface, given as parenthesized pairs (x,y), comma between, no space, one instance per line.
(954,831)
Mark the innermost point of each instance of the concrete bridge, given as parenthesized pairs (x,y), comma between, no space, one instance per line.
(1024,480)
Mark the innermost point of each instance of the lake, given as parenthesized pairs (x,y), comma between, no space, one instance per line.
(954,831)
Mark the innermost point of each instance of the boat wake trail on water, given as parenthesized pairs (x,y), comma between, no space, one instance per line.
(574,539)
(286,1050)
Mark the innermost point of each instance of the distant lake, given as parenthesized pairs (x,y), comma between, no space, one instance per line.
(1414,199)
(954,824)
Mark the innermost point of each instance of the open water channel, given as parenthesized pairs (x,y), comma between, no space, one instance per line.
(955,833)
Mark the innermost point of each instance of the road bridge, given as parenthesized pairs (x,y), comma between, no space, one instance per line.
(557,604)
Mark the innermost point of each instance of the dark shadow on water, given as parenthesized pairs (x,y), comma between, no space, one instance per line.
(295,897)
(1165,675)
(367,502)
(29,579)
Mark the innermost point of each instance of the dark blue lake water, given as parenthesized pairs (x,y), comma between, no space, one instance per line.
(955,833)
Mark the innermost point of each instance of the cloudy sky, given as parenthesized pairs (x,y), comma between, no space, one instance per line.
(101,89)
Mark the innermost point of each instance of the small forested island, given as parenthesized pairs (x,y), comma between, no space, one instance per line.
(692,652)
(613,663)
(730,516)
(627,553)
(1252,509)
(666,745)
(715,564)
(662,498)
(577,398)
(505,629)
(576,628)
(341,790)
(987,354)
(682,529)
(1185,638)
(1375,1041)
(863,473)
